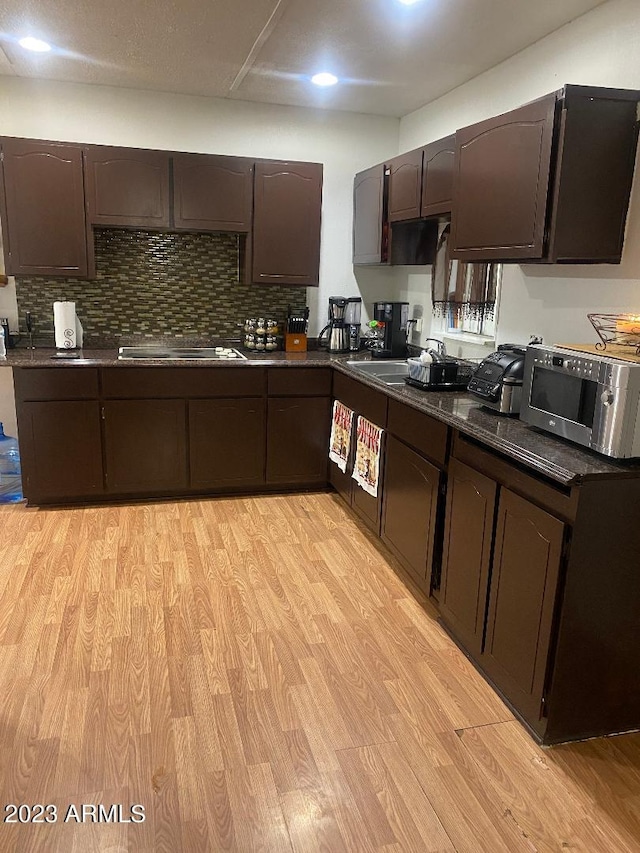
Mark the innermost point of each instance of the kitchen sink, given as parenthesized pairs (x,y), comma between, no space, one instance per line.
(390,372)
(204,353)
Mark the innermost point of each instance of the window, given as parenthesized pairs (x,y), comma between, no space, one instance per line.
(464,295)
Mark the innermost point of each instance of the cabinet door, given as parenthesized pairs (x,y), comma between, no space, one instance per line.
(286,223)
(367,507)
(524,582)
(43,219)
(405,186)
(468,535)
(411,487)
(437,176)
(298,440)
(60,449)
(226,443)
(145,446)
(127,187)
(212,193)
(501,185)
(369,226)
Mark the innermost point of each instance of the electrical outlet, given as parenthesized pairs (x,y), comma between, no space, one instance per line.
(417,325)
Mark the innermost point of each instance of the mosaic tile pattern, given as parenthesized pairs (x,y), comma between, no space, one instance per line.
(157,286)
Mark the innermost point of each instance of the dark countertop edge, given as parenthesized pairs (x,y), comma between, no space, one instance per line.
(109,358)
(418,400)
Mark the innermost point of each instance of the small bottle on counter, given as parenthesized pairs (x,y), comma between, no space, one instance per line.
(3,343)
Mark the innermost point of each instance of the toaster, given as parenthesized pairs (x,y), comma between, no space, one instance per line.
(497,381)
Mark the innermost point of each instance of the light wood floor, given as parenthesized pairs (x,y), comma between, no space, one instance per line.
(255,675)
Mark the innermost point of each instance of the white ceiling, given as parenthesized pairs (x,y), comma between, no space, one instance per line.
(391,58)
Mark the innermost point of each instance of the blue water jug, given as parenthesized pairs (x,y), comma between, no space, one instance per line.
(10,473)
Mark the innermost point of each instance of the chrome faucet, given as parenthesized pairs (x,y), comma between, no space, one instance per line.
(440,349)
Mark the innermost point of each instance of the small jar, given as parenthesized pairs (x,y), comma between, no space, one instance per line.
(261,326)
(271,343)
(272,327)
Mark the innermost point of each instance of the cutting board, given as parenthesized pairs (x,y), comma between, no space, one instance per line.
(612,350)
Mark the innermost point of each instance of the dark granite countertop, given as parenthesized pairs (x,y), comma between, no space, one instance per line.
(42,357)
(559,460)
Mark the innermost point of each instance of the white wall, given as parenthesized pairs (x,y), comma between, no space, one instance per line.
(345,143)
(601,48)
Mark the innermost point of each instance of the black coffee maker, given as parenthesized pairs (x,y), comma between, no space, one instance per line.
(392,320)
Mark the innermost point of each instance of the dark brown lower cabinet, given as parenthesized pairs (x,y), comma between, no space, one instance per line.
(365,505)
(297,440)
(226,442)
(145,446)
(60,448)
(502,559)
(523,586)
(411,488)
(467,553)
(372,405)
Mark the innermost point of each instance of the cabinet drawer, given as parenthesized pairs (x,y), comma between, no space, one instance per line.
(299,382)
(164,382)
(421,431)
(56,383)
(363,400)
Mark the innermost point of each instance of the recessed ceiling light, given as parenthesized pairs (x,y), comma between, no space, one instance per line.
(408,2)
(324,79)
(30,43)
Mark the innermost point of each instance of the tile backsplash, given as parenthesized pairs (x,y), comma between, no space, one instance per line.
(157,285)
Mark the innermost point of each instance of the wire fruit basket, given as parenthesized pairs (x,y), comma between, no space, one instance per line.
(620,329)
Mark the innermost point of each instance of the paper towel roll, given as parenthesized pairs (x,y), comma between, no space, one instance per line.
(65,324)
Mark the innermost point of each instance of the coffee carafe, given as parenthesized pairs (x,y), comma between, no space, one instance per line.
(335,335)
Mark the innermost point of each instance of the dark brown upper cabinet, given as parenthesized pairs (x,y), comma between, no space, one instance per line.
(549,181)
(437,176)
(286,223)
(370,228)
(405,186)
(376,240)
(127,187)
(421,181)
(212,193)
(42,209)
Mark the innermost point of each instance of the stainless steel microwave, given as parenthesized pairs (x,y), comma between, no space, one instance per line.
(590,399)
